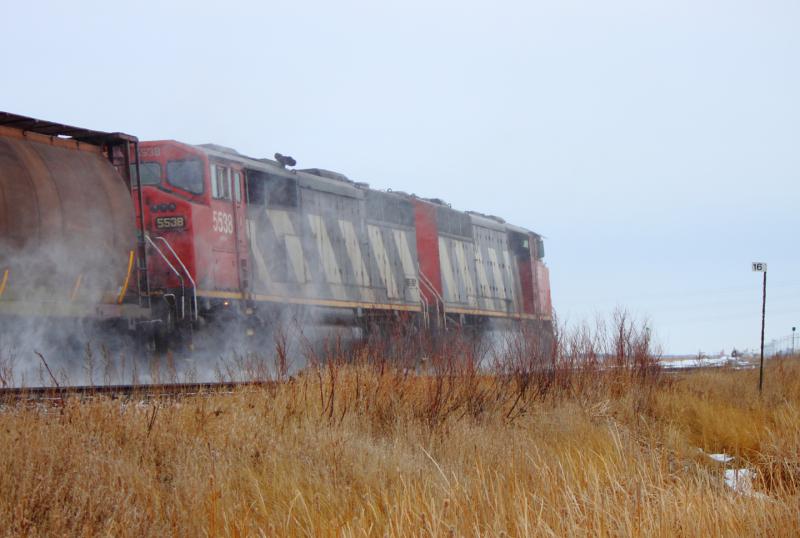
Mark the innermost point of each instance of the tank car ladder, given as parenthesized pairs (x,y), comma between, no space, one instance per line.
(129,165)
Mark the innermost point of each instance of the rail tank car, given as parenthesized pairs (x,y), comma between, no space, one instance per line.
(67,228)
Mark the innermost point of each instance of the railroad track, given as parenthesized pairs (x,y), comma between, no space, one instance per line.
(123,391)
(144,390)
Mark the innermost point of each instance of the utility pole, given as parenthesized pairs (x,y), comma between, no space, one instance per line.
(760,267)
(793,330)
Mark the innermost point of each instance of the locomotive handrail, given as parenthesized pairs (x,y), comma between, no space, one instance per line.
(422,296)
(3,282)
(439,299)
(188,275)
(76,287)
(183,289)
(425,310)
(429,284)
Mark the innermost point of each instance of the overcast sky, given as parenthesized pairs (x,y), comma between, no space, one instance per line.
(656,145)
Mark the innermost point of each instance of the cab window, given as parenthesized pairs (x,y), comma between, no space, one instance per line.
(186,174)
(150,173)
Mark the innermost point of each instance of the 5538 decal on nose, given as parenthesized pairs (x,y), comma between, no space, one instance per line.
(170,223)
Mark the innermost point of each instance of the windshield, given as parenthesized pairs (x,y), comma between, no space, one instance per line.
(186,174)
(150,173)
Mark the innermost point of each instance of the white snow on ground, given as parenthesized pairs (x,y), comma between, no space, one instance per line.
(738,480)
(722,458)
(711,362)
(741,481)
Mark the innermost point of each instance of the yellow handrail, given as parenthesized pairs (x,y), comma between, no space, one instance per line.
(127,280)
(3,282)
(76,287)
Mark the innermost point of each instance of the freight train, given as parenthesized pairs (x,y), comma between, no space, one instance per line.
(173,237)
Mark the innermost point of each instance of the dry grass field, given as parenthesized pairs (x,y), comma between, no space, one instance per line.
(363,448)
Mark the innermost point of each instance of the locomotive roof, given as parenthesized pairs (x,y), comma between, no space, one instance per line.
(49,128)
(328,181)
(313,178)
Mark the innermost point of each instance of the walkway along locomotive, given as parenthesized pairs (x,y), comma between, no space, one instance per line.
(174,236)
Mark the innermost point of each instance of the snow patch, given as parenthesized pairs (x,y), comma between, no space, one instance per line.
(722,458)
(710,362)
(738,480)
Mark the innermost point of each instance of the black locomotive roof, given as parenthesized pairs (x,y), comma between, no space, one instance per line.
(49,128)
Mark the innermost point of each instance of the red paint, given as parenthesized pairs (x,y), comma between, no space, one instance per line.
(534,279)
(526,283)
(212,254)
(428,247)
(181,240)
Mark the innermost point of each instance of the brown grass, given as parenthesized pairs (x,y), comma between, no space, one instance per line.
(534,448)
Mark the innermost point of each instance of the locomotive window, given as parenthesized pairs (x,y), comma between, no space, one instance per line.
(520,246)
(186,174)
(224,174)
(281,191)
(220,182)
(539,248)
(237,186)
(214,186)
(150,173)
(271,190)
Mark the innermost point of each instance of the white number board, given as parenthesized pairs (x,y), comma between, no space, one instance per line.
(759,267)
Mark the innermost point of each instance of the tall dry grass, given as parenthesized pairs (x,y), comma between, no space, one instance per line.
(587,439)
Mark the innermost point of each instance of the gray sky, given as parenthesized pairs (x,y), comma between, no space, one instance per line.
(654,144)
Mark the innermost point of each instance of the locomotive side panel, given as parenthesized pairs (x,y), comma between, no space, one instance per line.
(329,222)
(544,305)
(496,284)
(314,245)
(279,267)
(393,247)
(458,272)
(457,259)
(522,266)
(224,223)
(295,246)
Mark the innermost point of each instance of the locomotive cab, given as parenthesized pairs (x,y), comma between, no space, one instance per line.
(193,206)
(172,183)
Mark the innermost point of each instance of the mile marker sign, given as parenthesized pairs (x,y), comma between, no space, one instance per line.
(761,267)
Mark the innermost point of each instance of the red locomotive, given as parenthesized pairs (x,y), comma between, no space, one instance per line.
(207,230)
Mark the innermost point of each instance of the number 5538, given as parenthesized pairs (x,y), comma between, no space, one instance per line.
(222,222)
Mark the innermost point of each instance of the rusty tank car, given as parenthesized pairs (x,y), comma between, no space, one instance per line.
(68,236)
